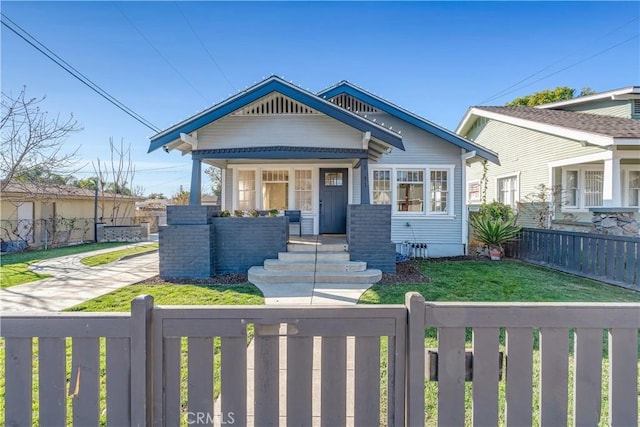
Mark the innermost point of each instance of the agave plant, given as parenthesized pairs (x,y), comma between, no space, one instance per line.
(494,232)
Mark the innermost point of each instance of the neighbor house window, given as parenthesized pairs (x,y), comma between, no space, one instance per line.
(410,190)
(593,188)
(275,189)
(473,191)
(634,188)
(572,189)
(303,190)
(439,190)
(508,190)
(246,190)
(382,187)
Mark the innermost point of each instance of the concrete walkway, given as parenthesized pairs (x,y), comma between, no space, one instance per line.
(73,282)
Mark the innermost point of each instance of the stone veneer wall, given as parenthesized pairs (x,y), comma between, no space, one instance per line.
(197,243)
(615,223)
(123,233)
(369,236)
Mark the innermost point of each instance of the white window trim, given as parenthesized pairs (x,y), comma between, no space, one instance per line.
(469,200)
(581,177)
(517,192)
(427,213)
(626,182)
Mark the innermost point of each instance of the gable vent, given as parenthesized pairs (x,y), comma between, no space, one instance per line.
(352,104)
(636,107)
(274,103)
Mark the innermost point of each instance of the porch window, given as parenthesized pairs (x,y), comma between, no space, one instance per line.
(634,188)
(246,190)
(410,190)
(572,189)
(508,190)
(382,187)
(303,190)
(593,181)
(439,191)
(275,189)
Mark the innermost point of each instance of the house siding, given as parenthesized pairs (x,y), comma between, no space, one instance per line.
(604,108)
(292,130)
(443,235)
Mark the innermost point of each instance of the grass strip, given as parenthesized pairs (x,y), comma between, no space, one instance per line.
(109,257)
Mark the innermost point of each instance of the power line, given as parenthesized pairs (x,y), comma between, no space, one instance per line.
(176,70)
(204,46)
(570,66)
(506,90)
(40,47)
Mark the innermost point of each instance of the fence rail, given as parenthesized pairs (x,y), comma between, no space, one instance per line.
(611,259)
(193,365)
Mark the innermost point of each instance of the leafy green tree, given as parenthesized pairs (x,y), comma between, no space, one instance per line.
(546,96)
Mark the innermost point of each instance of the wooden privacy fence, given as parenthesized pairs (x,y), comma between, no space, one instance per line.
(611,259)
(329,366)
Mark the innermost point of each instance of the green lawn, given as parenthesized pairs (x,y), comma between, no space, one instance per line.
(506,280)
(14,268)
(106,258)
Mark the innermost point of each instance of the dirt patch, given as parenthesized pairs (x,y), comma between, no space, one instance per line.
(221,279)
(406,272)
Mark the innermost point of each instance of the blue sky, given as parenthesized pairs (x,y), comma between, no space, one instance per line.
(433,58)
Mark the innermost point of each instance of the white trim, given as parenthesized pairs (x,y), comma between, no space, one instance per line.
(426,169)
(516,196)
(626,187)
(589,158)
(581,169)
(473,181)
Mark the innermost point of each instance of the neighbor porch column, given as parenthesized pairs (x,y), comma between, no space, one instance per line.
(196,185)
(364,182)
(611,183)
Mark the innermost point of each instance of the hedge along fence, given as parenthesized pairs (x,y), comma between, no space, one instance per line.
(610,259)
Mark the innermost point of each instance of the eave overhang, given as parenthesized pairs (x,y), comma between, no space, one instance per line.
(280,153)
(274,84)
(409,117)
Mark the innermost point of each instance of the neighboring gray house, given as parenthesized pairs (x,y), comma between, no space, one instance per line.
(282,147)
(587,149)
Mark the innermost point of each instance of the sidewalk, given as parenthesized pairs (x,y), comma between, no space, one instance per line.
(73,282)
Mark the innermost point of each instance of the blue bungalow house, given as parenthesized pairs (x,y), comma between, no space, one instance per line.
(326,154)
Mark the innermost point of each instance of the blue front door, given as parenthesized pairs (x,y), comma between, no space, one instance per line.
(334,191)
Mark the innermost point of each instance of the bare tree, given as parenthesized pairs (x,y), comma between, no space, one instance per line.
(32,139)
(115,181)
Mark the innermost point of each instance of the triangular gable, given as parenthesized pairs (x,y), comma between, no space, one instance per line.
(346,88)
(262,89)
(274,103)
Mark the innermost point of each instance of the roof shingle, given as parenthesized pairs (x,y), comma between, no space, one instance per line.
(616,127)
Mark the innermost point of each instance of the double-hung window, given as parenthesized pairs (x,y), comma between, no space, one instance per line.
(439,190)
(382,187)
(473,191)
(304,190)
(246,189)
(582,188)
(410,190)
(634,188)
(593,188)
(508,190)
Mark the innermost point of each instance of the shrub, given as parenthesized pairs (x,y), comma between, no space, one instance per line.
(496,211)
(238,213)
(494,232)
(225,214)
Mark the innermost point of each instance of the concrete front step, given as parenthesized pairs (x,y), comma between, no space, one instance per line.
(303,247)
(261,276)
(279,265)
(310,257)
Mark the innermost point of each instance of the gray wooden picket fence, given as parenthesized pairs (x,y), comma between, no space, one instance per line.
(329,366)
(611,259)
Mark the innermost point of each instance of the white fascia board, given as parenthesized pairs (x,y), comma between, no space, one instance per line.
(589,158)
(611,94)
(465,123)
(626,141)
(576,135)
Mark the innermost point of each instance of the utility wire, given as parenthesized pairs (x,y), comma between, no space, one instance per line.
(40,47)
(204,46)
(173,67)
(506,90)
(570,66)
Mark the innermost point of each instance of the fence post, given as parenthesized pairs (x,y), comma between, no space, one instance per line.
(141,363)
(414,375)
